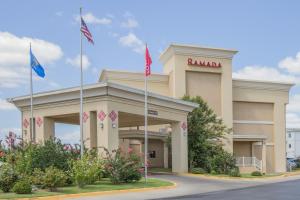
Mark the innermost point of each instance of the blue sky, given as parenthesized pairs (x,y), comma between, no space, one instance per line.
(266,34)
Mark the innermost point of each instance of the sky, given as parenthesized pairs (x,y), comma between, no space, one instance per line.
(266,34)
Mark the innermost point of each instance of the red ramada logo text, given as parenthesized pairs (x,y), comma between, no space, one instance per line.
(200,63)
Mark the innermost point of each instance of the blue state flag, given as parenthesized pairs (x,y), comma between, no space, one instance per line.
(36,66)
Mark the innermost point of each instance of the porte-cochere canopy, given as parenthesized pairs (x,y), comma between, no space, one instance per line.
(107,108)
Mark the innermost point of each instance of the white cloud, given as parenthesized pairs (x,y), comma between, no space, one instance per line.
(291,64)
(69,137)
(92,19)
(130,23)
(4,105)
(14,57)
(133,42)
(264,73)
(292,120)
(294,104)
(76,61)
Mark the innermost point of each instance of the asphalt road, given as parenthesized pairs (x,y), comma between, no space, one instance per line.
(289,190)
(185,186)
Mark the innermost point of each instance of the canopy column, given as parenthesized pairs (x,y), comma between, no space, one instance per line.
(179,147)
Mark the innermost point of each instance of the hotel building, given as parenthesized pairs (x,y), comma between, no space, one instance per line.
(114,110)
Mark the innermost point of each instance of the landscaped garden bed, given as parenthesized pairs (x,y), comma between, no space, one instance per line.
(53,168)
(100,186)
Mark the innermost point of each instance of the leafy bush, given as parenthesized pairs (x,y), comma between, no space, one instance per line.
(198,170)
(205,132)
(37,177)
(7,177)
(86,170)
(235,172)
(53,178)
(256,173)
(22,187)
(223,162)
(51,153)
(121,167)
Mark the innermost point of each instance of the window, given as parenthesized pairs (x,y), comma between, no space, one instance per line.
(290,135)
(290,146)
(152,154)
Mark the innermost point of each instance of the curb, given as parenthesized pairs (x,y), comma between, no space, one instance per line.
(110,192)
(240,178)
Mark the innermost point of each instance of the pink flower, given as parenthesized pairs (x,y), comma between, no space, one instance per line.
(130,150)
(2,154)
(66,147)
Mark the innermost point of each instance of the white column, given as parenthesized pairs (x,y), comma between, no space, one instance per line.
(264,157)
(166,155)
(49,128)
(179,149)
(90,129)
(108,131)
(279,137)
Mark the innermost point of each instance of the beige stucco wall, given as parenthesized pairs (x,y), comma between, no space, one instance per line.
(253,111)
(255,129)
(199,83)
(263,102)
(220,98)
(241,149)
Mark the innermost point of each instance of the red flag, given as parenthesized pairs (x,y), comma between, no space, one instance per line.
(148,62)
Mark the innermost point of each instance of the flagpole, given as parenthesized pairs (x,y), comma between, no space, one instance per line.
(31,101)
(146,129)
(81,83)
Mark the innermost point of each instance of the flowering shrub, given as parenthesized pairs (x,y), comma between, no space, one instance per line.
(121,167)
(86,170)
(53,178)
(7,177)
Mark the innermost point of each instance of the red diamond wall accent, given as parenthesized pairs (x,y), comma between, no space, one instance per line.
(113,115)
(39,121)
(184,126)
(25,123)
(101,115)
(85,117)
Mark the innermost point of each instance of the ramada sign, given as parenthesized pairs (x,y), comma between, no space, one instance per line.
(201,63)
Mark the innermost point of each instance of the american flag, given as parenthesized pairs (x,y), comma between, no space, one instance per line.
(84,29)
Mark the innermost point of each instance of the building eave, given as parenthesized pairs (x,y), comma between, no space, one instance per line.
(108,75)
(94,90)
(262,85)
(194,50)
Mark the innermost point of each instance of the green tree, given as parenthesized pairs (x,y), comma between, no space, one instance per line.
(205,134)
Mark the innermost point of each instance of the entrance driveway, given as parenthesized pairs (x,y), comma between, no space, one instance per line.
(288,190)
(186,185)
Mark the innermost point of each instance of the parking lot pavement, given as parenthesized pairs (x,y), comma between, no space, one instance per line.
(287,190)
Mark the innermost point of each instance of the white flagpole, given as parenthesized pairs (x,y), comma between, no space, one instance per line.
(31,101)
(146,127)
(81,83)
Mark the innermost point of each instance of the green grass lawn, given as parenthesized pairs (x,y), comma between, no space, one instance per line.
(103,185)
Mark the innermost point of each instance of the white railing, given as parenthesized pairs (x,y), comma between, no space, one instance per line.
(249,162)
